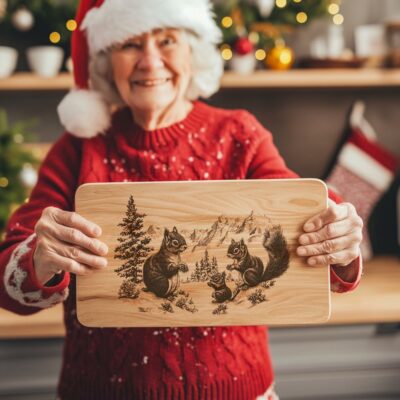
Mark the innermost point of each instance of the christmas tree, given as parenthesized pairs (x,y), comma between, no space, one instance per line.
(17,172)
(37,22)
(134,245)
(264,24)
(271,18)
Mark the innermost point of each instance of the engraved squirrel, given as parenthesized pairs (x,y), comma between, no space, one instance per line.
(251,267)
(161,270)
(222,292)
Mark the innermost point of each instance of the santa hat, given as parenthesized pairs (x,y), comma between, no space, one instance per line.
(84,112)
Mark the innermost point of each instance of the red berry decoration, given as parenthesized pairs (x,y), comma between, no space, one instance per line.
(243,46)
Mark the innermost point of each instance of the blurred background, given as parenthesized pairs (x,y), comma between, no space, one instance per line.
(317,74)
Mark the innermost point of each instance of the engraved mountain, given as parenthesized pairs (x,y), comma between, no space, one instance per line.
(222,230)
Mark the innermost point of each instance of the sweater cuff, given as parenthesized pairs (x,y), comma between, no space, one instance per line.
(21,283)
(339,285)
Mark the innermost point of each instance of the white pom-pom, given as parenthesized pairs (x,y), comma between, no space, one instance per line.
(84,113)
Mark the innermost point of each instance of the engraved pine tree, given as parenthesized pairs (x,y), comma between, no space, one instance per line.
(134,247)
(205,268)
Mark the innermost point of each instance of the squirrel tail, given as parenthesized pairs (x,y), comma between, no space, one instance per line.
(276,246)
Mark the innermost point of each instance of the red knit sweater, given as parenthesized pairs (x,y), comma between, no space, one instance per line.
(168,363)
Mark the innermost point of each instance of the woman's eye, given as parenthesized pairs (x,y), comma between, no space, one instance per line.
(167,41)
(131,45)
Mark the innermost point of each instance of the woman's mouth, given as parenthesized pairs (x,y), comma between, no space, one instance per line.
(150,82)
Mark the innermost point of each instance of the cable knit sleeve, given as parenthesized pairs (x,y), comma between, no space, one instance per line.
(267,163)
(20,291)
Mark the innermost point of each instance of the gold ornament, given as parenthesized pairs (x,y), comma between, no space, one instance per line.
(23,19)
(280,57)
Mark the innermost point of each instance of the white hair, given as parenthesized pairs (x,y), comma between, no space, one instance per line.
(207,70)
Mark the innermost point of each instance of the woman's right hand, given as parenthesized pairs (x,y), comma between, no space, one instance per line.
(66,242)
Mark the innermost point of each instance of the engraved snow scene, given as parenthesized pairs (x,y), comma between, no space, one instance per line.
(169,269)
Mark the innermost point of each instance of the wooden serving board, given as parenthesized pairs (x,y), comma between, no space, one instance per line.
(203,253)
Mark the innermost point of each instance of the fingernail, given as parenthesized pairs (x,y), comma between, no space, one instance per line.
(311,261)
(309,227)
(105,262)
(303,240)
(97,230)
(104,248)
(301,251)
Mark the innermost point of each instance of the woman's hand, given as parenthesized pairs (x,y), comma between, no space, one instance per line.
(333,237)
(65,242)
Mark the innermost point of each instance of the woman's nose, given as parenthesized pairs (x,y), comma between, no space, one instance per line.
(150,59)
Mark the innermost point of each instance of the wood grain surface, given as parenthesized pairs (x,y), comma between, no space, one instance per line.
(218,253)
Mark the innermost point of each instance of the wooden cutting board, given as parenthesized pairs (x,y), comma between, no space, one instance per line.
(203,253)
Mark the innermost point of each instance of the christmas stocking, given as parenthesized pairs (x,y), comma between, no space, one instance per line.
(363,171)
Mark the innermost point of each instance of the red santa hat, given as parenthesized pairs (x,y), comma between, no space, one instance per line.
(102,23)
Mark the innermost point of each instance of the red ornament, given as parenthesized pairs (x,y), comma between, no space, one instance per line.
(243,46)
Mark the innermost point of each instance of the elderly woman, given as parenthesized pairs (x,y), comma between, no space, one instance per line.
(146,64)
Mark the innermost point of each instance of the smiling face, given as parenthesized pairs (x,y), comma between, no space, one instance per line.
(152,71)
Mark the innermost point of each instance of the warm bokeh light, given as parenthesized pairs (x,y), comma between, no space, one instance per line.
(18,138)
(281,3)
(226,54)
(54,37)
(338,19)
(301,17)
(260,54)
(3,182)
(254,37)
(71,25)
(333,8)
(227,22)
(297,1)
(285,56)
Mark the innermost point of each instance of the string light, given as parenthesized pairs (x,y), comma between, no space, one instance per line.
(301,17)
(285,56)
(71,25)
(226,54)
(3,182)
(227,22)
(333,8)
(18,138)
(281,3)
(260,54)
(254,37)
(54,37)
(338,19)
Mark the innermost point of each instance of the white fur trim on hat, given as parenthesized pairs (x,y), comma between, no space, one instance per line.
(117,20)
(84,113)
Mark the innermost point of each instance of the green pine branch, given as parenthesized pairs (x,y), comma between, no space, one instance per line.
(13,157)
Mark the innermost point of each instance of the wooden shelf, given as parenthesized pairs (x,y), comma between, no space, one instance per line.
(29,81)
(300,78)
(315,78)
(376,300)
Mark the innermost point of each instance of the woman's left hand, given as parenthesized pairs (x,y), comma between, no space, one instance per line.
(333,237)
